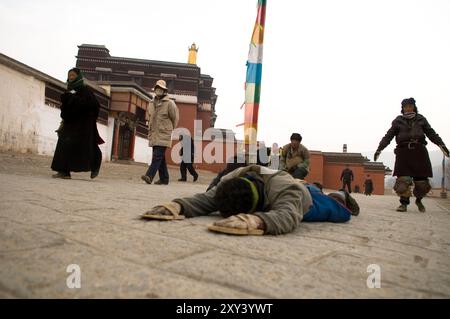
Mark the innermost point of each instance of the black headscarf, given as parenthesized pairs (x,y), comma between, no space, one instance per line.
(77,82)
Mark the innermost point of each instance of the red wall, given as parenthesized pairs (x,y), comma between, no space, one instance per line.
(187,113)
(199,160)
(315,167)
(328,174)
(205,117)
(378,182)
(332,174)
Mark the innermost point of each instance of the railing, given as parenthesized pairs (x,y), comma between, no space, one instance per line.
(141,130)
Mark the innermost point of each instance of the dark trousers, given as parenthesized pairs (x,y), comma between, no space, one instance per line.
(348,184)
(159,164)
(187,166)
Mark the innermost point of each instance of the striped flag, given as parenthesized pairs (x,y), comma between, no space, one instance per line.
(253,79)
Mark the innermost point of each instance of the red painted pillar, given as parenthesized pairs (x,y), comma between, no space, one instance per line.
(115,152)
(132,142)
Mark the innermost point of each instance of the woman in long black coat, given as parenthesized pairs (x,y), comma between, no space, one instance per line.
(368,186)
(412,162)
(77,148)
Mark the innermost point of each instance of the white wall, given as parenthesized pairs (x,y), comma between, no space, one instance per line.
(104,133)
(49,121)
(26,123)
(22,99)
(107,136)
(142,152)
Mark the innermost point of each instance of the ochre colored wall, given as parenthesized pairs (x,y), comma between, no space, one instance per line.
(315,167)
(188,114)
(332,174)
(378,181)
(199,160)
(205,117)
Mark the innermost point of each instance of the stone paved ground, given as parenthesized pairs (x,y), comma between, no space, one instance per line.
(48,224)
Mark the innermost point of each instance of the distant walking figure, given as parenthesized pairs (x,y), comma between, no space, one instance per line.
(187,154)
(368,186)
(347,178)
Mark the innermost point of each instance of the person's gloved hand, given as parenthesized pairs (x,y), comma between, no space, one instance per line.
(376,155)
(248,221)
(444,150)
(159,210)
(167,209)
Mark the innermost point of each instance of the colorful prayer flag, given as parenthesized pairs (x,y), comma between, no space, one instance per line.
(254,74)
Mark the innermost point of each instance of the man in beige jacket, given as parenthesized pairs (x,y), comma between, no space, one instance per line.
(162,116)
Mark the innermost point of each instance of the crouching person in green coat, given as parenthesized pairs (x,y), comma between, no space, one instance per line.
(256,200)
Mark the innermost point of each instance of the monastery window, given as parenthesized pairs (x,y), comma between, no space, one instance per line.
(170,85)
(140,114)
(137,80)
(103,77)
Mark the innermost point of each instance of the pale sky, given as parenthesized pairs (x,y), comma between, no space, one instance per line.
(335,71)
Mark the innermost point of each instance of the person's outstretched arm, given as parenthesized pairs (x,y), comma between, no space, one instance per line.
(199,204)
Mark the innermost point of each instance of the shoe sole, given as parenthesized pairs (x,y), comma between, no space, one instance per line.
(146,179)
(163,217)
(62,177)
(235,231)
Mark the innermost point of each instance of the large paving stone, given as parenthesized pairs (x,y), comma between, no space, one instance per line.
(42,273)
(47,224)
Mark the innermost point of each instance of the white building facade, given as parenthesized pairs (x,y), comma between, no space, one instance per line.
(30,114)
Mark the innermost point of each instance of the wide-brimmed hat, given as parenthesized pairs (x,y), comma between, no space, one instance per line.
(161,84)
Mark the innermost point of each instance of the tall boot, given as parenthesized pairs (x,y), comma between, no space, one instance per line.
(404,202)
(420,205)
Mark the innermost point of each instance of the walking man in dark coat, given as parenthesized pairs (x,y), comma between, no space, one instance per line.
(187,154)
(347,178)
